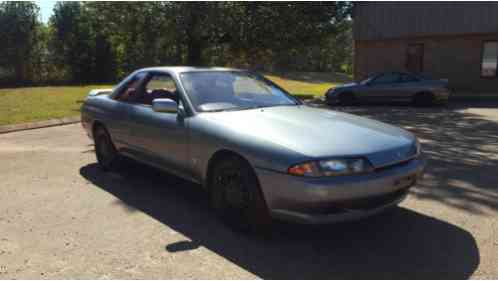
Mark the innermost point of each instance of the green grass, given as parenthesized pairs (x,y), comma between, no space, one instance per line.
(308,83)
(22,105)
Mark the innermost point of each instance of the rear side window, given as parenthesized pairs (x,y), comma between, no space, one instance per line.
(406,78)
(387,78)
(130,89)
(489,59)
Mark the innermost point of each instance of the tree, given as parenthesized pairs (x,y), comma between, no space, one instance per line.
(103,41)
(18,34)
(136,41)
(277,34)
(73,41)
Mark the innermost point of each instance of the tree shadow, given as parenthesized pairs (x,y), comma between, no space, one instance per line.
(399,244)
(462,150)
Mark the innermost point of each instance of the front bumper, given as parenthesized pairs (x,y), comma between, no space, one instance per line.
(442,96)
(335,199)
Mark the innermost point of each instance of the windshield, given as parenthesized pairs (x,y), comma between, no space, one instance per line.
(366,81)
(232,90)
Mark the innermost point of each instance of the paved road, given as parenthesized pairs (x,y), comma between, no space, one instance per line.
(61,217)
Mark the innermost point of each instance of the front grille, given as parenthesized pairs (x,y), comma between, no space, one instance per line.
(359,204)
(395,165)
(371,202)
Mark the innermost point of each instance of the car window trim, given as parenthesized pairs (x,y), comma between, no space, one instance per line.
(383,74)
(148,76)
(120,89)
(187,108)
(410,76)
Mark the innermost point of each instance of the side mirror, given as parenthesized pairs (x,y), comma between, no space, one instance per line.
(164,105)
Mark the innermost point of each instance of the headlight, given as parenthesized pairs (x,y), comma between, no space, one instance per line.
(332,167)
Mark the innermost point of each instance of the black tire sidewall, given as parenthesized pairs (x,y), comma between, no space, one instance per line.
(256,215)
(423,99)
(102,138)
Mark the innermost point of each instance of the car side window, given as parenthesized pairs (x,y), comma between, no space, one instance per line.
(131,89)
(160,86)
(388,78)
(406,78)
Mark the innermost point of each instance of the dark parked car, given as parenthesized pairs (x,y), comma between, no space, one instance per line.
(389,87)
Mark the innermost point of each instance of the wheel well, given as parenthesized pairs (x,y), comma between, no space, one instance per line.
(215,158)
(345,94)
(96,124)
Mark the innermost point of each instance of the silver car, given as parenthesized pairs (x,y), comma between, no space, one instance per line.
(391,87)
(259,152)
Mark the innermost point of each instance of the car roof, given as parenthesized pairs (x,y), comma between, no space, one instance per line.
(181,69)
(392,72)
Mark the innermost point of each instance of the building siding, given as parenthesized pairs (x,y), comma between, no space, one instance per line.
(457,59)
(452,34)
(389,20)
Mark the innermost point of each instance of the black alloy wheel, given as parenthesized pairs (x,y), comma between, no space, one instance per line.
(237,197)
(107,155)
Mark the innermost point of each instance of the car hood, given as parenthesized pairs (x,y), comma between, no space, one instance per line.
(318,133)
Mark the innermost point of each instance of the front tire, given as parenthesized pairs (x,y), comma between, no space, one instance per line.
(105,151)
(237,197)
(423,99)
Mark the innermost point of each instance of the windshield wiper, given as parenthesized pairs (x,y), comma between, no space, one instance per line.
(247,107)
(223,109)
(274,105)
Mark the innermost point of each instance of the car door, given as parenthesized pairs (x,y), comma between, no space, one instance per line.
(408,86)
(382,88)
(119,111)
(159,138)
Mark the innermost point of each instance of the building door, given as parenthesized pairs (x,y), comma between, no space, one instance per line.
(415,58)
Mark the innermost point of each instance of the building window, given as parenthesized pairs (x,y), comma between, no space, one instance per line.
(489,59)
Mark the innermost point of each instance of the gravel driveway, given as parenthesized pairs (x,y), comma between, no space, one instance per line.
(61,217)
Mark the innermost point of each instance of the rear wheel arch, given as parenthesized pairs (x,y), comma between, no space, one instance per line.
(423,98)
(97,125)
(105,150)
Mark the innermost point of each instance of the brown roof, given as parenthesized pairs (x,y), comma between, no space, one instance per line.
(389,20)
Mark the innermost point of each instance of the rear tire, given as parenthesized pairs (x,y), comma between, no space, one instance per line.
(347,98)
(236,196)
(423,99)
(105,151)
